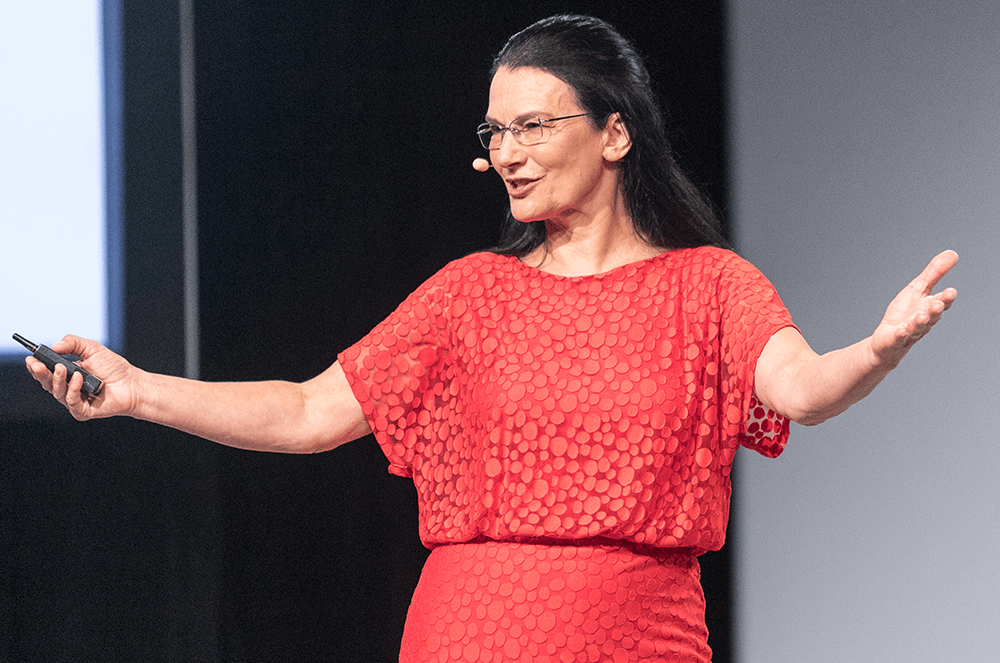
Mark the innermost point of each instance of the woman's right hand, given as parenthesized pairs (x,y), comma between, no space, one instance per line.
(119,394)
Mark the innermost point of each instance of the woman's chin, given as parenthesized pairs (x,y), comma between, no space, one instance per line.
(523,218)
(520,213)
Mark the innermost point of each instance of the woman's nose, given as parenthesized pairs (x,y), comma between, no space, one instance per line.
(510,152)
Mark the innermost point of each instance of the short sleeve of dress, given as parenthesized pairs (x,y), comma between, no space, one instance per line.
(400,375)
(751,313)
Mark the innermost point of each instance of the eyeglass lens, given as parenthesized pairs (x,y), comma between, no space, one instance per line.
(526,131)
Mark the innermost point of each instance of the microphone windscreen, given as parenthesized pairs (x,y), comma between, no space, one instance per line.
(482,165)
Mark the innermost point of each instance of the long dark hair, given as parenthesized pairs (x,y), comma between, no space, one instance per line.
(608,76)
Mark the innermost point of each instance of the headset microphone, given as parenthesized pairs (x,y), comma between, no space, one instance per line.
(482,165)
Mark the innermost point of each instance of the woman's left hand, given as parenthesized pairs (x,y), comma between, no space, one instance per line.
(914,311)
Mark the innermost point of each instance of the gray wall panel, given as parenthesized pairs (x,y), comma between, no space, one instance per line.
(865,138)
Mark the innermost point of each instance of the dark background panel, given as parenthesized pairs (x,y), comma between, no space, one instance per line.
(334,175)
(108,534)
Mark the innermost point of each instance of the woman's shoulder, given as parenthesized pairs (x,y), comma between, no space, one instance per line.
(482,262)
(472,268)
(723,259)
(708,253)
(482,259)
(472,262)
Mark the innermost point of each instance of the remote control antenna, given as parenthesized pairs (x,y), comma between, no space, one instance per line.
(25,342)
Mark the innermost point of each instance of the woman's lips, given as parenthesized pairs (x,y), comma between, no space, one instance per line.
(519,187)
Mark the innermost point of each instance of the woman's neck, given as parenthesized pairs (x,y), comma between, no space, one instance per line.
(591,246)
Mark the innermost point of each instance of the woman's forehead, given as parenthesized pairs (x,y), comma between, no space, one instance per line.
(528,91)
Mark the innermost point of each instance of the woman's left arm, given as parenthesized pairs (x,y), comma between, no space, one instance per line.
(809,388)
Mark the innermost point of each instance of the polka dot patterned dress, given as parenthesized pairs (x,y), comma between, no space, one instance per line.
(571,440)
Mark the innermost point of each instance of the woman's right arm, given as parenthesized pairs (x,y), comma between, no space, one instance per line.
(287,417)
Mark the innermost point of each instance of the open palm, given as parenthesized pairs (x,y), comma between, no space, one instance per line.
(914,311)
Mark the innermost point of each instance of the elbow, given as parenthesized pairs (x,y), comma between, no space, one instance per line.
(809,419)
(320,438)
(800,410)
(311,441)
(283,443)
(304,447)
(807,411)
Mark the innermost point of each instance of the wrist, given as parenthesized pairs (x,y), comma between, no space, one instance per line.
(883,358)
(140,403)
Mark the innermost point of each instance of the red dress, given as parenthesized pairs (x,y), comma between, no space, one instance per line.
(571,440)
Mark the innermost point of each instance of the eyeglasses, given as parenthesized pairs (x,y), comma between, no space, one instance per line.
(527,130)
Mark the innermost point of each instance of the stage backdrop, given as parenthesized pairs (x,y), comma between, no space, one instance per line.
(866,138)
(334,143)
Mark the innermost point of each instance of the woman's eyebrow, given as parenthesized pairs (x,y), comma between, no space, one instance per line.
(531,113)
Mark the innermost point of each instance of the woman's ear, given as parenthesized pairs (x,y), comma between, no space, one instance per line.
(617,142)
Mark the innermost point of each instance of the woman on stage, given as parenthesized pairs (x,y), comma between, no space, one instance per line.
(568,404)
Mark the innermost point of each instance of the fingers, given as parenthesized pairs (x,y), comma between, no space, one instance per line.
(939,265)
(946,297)
(39,373)
(67,392)
(914,330)
(74,397)
(60,385)
(927,316)
(69,344)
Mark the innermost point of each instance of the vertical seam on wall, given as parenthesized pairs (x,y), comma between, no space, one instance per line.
(189,184)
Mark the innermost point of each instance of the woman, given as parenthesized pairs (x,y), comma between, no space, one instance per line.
(568,405)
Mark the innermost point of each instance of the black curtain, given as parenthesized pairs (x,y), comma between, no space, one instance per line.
(334,175)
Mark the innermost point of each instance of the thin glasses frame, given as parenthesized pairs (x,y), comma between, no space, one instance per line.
(488,131)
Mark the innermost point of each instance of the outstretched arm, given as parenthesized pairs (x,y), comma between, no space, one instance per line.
(266,416)
(810,388)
